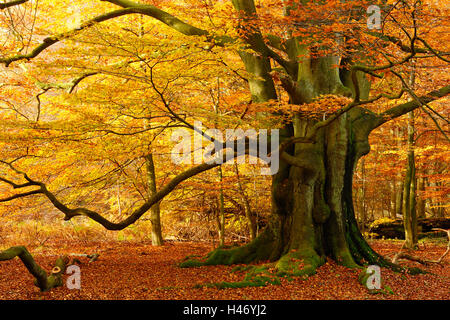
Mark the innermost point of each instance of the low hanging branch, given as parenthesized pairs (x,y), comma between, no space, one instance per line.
(44,281)
(403,255)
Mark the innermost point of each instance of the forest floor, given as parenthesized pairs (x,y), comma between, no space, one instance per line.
(131,270)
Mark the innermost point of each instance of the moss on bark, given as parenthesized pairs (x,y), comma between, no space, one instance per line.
(296,241)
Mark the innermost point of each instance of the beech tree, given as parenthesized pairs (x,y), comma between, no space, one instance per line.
(328,74)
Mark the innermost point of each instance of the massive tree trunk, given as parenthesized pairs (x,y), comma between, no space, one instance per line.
(312,207)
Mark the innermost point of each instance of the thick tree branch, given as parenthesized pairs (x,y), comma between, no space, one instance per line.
(129,7)
(158,196)
(11,4)
(404,108)
(160,15)
(422,105)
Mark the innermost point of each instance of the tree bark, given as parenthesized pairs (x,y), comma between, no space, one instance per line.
(221,207)
(312,207)
(420,200)
(247,208)
(155,214)
(409,191)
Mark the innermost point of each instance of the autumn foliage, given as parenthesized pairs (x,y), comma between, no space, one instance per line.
(91,93)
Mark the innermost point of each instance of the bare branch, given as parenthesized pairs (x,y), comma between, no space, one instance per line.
(21,195)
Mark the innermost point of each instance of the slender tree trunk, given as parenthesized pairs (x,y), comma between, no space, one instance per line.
(221,218)
(409,191)
(399,197)
(409,203)
(393,198)
(420,200)
(248,212)
(155,214)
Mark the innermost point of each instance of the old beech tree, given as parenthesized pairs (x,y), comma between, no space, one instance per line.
(296,53)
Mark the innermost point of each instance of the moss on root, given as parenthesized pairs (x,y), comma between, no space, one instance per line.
(258,250)
(257,276)
(292,264)
(299,263)
(363,277)
(221,257)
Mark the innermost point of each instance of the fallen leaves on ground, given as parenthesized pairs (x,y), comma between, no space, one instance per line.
(129,270)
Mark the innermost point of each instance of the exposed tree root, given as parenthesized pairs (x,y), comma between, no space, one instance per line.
(299,263)
(402,255)
(262,248)
(294,263)
(257,276)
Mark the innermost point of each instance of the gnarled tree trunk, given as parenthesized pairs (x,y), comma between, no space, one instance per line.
(312,208)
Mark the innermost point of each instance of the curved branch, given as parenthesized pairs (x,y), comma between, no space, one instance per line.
(21,195)
(160,15)
(169,187)
(437,54)
(129,7)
